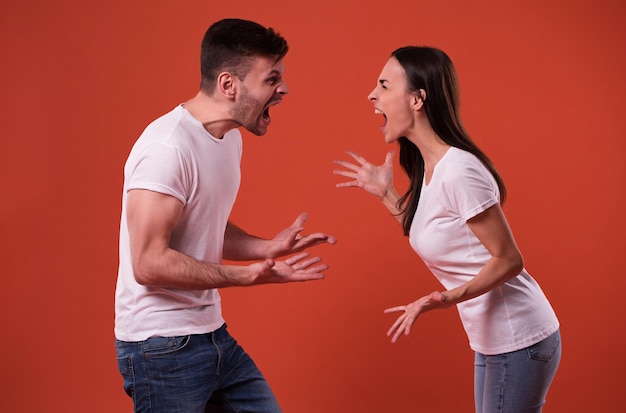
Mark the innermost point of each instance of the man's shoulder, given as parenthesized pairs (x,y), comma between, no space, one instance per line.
(166,121)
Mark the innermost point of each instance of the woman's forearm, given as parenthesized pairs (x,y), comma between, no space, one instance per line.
(495,273)
(390,201)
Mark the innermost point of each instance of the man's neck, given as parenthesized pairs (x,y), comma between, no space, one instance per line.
(212,112)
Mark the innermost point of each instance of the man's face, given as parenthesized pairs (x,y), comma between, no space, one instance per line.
(261,88)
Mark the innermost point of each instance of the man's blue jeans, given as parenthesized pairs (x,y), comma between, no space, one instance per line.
(196,373)
(516,382)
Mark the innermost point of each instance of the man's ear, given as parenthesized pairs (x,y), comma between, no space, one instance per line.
(227,84)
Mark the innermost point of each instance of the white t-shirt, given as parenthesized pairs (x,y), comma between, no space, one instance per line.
(510,317)
(176,156)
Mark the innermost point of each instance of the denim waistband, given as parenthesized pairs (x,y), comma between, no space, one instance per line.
(218,334)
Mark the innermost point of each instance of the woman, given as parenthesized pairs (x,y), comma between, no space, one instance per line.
(452,214)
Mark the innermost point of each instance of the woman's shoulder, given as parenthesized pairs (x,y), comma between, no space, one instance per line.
(462,169)
(462,156)
(459,162)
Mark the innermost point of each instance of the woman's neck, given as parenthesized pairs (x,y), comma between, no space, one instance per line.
(430,145)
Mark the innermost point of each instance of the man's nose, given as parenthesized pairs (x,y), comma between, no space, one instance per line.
(283,89)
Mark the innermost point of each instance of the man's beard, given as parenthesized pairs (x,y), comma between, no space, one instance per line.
(247,111)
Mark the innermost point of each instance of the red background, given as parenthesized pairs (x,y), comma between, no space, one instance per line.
(542,88)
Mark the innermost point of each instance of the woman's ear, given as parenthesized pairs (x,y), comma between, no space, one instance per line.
(422,95)
(417,99)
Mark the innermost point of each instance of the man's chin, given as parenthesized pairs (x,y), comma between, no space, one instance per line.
(257,131)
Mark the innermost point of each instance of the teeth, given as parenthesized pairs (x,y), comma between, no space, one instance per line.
(378,111)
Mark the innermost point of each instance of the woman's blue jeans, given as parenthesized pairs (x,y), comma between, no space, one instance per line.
(196,373)
(516,382)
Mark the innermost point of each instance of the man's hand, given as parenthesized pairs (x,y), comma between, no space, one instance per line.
(297,268)
(289,240)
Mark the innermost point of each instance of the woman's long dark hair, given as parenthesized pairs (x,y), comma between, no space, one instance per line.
(432,70)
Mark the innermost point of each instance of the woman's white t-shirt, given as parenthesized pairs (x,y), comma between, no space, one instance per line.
(510,317)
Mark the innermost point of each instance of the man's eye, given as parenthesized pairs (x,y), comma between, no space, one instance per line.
(272,80)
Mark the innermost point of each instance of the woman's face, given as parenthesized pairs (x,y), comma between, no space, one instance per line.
(392,99)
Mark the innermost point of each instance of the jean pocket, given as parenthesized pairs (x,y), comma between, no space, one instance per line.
(164,346)
(545,349)
(125,366)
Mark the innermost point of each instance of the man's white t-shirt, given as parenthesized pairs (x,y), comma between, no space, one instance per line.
(176,156)
(510,317)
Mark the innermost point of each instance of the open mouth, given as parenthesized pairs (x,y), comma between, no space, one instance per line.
(380,112)
(266,111)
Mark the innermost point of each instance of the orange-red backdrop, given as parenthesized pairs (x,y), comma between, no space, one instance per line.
(542,86)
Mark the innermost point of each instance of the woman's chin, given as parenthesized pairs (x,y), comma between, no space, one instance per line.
(389,137)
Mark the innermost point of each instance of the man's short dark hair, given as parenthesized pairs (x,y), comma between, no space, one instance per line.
(230,45)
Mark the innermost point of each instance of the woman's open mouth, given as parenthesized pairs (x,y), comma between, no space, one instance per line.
(380,112)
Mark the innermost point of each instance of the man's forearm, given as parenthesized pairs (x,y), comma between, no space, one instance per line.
(241,246)
(172,269)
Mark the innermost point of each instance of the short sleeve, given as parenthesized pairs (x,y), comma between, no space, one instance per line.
(470,189)
(161,168)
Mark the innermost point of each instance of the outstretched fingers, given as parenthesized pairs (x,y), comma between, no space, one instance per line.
(305,268)
(398,328)
(315,239)
(291,261)
(357,157)
(347,174)
(347,165)
(403,323)
(395,309)
(299,263)
(305,264)
(352,171)
(300,220)
(291,240)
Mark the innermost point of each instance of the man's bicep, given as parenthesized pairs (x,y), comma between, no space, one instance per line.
(151,217)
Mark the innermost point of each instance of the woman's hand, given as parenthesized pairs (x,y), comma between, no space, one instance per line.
(377,180)
(411,312)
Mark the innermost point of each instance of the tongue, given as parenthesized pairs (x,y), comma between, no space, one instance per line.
(265,117)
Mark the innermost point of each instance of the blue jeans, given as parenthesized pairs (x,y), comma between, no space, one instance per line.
(196,373)
(516,382)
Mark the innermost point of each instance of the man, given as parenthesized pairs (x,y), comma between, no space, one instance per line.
(181,180)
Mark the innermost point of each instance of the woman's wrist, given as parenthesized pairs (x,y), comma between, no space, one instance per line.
(390,200)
